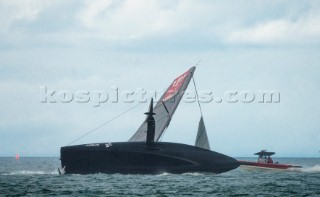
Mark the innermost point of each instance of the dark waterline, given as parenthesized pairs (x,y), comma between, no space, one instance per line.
(39,177)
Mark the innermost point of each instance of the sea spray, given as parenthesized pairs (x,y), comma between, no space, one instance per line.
(312,169)
(30,172)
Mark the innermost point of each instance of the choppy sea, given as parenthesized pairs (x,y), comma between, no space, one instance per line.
(39,177)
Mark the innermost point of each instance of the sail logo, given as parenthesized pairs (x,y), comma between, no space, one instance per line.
(175,86)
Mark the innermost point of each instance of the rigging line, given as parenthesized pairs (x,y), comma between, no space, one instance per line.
(195,87)
(198,63)
(165,107)
(105,123)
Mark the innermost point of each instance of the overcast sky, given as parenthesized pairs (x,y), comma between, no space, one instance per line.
(95,45)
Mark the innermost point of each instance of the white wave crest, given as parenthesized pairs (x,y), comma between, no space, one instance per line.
(307,169)
(185,174)
(29,172)
(192,173)
(164,174)
(313,169)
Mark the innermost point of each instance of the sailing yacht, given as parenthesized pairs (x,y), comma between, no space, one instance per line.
(144,153)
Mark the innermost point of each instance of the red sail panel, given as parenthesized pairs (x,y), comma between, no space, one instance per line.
(175,86)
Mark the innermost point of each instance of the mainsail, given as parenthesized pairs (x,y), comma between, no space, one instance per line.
(165,107)
(202,138)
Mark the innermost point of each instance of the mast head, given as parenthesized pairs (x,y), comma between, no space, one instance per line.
(150,112)
(151,124)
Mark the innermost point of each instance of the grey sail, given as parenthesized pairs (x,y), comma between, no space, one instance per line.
(202,138)
(165,107)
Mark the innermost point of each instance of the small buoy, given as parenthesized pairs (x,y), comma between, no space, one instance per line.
(17,156)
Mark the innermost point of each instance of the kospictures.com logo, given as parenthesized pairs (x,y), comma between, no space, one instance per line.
(141,95)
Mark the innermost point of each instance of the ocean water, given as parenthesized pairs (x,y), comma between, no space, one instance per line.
(39,177)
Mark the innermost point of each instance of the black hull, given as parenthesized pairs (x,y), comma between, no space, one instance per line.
(140,158)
